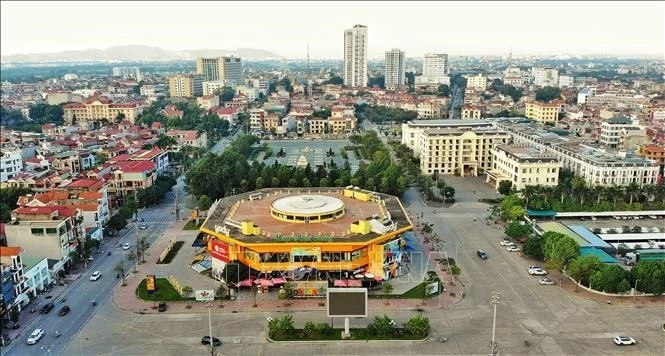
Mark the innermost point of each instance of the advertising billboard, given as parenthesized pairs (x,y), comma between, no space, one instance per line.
(219,250)
(392,258)
(347,302)
(204,295)
(150,282)
(305,289)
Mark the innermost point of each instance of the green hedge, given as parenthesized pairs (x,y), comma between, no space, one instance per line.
(171,255)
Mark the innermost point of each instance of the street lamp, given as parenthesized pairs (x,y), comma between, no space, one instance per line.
(495,300)
(212,343)
(635,290)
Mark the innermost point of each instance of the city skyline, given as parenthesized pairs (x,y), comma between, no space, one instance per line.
(476,28)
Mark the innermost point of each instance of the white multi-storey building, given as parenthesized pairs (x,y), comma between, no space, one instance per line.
(610,130)
(12,163)
(435,68)
(412,130)
(566,81)
(478,82)
(130,72)
(355,56)
(523,165)
(597,165)
(545,77)
(395,69)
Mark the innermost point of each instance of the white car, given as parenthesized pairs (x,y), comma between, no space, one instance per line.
(35,336)
(506,243)
(624,340)
(143,226)
(95,276)
(512,249)
(537,272)
(546,282)
(533,267)
(126,246)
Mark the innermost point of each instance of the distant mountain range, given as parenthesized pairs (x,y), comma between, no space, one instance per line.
(136,53)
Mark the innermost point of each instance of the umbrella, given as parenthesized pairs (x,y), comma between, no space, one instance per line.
(279,280)
(244,283)
(359,276)
(258,281)
(369,275)
(341,283)
(355,283)
(267,283)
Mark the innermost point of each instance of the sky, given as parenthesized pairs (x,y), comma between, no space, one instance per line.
(456,28)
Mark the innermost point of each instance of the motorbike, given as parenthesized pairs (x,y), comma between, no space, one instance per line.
(57,334)
(109,253)
(94,303)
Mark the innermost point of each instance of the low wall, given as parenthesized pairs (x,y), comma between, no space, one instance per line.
(167,250)
(627,295)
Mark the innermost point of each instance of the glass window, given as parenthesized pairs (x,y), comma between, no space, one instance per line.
(37,231)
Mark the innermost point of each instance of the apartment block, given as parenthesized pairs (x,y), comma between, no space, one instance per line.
(227,68)
(355,56)
(542,112)
(523,165)
(545,77)
(395,68)
(100,108)
(186,85)
(597,165)
(12,163)
(610,130)
(478,82)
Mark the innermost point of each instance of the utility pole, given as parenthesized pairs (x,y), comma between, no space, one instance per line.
(212,344)
(136,229)
(177,209)
(635,290)
(495,300)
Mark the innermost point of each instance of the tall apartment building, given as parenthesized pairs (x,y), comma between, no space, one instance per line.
(542,112)
(610,130)
(11,163)
(545,77)
(523,165)
(131,72)
(435,66)
(220,68)
(355,56)
(185,85)
(597,165)
(395,70)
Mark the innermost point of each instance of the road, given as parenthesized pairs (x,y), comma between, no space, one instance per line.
(82,291)
(456,102)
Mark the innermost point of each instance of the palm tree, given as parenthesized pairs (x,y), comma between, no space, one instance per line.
(529,192)
(614,192)
(186,293)
(598,190)
(631,189)
(387,289)
(648,191)
(578,185)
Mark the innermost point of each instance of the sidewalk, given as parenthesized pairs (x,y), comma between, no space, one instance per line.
(125,297)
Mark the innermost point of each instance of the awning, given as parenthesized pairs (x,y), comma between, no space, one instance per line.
(267,283)
(244,283)
(279,280)
(355,283)
(341,283)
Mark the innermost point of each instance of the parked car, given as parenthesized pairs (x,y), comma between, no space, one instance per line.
(162,307)
(546,282)
(533,267)
(215,341)
(481,254)
(46,308)
(512,249)
(506,243)
(64,310)
(144,226)
(35,336)
(126,246)
(624,340)
(537,272)
(95,275)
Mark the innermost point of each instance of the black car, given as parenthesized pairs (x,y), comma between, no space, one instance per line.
(64,310)
(162,307)
(481,254)
(215,341)
(46,308)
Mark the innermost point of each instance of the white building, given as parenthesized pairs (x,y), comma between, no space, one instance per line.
(566,81)
(70,76)
(12,163)
(395,70)
(545,77)
(435,68)
(355,56)
(523,165)
(478,82)
(598,166)
(610,130)
(584,94)
(412,130)
(251,93)
(129,72)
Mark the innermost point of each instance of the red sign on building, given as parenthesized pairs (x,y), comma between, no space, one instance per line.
(220,251)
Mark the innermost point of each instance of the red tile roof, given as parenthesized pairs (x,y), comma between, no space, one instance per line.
(135,166)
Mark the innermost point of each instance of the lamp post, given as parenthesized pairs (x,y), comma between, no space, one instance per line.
(495,300)
(212,343)
(635,290)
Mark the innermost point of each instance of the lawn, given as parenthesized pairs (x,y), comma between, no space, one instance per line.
(416,292)
(171,255)
(191,225)
(164,293)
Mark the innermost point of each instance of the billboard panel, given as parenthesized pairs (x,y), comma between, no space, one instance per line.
(305,289)
(150,282)
(347,302)
(392,258)
(219,250)
(204,295)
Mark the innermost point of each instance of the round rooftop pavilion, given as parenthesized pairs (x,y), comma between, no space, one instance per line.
(307,208)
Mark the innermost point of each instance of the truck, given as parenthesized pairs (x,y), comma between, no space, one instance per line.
(631,258)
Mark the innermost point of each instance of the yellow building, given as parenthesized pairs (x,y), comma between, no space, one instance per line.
(471,112)
(340,231)
(542,112)
(100,108)
(478,82)
(523,165)
(458,151)
(185,85)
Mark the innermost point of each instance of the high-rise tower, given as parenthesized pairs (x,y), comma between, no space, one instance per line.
(355,56)
(395,68)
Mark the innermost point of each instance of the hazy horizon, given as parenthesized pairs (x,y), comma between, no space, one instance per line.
(285,28)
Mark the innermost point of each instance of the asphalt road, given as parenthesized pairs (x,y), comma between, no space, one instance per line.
(82,291)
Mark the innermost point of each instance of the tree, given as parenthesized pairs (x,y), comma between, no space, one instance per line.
(143,247)
(336,80)
(650,276)
(511,91)
(204,202)
(517,230)
(559,249)
(533,247)
(286,83)
(125,212)
(387,289)
(377,82)
(222,291)
(8,199)
(187,292)
(119,118)
(166,142)
(443,90)
(226,93)
(418,326)
(505,187)
(45,113)
(582,268)
(547,94)
(381,327)
(117,222)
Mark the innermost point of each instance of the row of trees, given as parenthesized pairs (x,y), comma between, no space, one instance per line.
(39,114)
(591,272)
(8,199)
(155,193)
(380,114)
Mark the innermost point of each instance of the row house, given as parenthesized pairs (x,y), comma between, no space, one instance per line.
(429,109)
(239,102)
(207,102)
(23,277)
(73,161)
(228,114)
(155,155)
(49,231)
(189,138)
(38,181)
(172,112)
(130,176)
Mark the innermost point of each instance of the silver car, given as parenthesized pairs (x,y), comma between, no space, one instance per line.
(35,336)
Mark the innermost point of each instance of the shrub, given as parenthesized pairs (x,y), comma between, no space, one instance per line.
(418,326)
(382,326)
(282,327)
